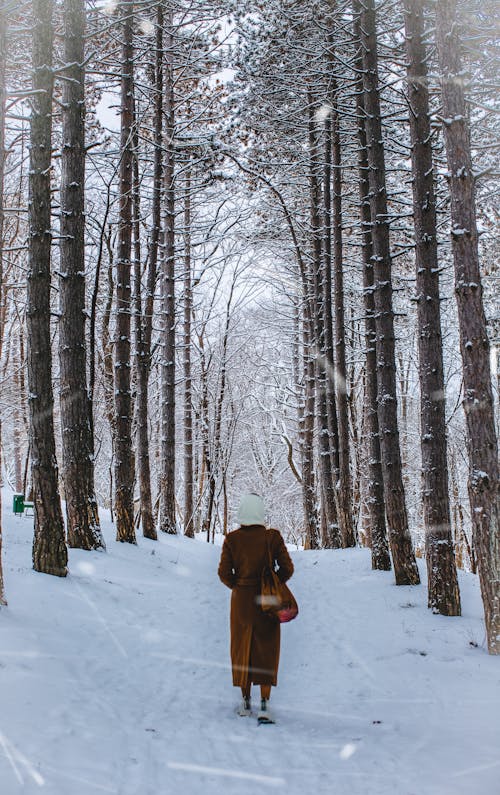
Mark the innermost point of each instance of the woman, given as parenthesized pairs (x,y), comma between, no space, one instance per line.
(255,635)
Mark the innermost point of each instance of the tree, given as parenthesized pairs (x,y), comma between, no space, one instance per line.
(188,383)
(443,593)
(49,545)
(144,329)
(167,479)
(405,567)
(3,58)
(375,496)
(124,462)
(77,443)
(482,447)
(345,487)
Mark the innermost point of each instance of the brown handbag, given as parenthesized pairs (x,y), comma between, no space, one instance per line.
(276,598)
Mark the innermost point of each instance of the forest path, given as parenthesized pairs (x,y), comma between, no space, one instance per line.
(117,680)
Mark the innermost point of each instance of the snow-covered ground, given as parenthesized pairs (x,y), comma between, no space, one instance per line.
(117,680)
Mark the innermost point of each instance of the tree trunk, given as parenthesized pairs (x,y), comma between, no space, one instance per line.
(443,592)
(145,325)
(317,351)
(375,502)
(124,463)
(405,566)
(50,554)
(167,482)
(188,409)
(345,486)
(328,441)
(77,444)
(306,430)
(3,58)
(483,483)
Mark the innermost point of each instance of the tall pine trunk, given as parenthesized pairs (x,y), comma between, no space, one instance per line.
(328,442)
(188,408)
(443,592)
(405,566)
(124,462)
(317,350)
(345,486)
(482,447)
(167,480)
(315,387)
(375,486)
(306,435)
(3,58)
(145,329)
(77,444)
(50,554)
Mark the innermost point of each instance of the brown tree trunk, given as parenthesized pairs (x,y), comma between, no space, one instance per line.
(50,554)
(328,441)
(443,592)
(167,481)
(345,486)
(482,447)
(317,351)
(306,432)
(77,444)
(145,326)
(124,462)
(375,502)
(405,566)
(17,430)
(188,409)
(3,57)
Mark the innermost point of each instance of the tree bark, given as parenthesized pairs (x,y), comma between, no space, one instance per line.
(328,442)
(443,592)
(124,463)
(318,352)
(3,58)
(405,566)
(188,408)
(375,502)
(345,485)
(77,444)
(306,435)
(167,480)
(145,325)
(482,446)
(50,554)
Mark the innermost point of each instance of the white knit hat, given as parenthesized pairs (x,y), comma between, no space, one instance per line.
(252,510)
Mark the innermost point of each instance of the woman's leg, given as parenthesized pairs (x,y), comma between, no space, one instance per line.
(245,690)
(265,692)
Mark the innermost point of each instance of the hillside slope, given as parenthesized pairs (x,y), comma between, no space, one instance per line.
(117,680)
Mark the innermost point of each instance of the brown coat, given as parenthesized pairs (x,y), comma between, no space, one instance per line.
(255,636)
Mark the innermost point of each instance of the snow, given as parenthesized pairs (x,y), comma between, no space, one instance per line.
(117,680)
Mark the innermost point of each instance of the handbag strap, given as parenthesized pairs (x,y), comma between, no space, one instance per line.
(270,561)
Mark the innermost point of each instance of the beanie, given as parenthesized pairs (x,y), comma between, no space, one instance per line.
(252,510)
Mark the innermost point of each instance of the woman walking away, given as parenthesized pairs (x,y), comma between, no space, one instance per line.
(255,635)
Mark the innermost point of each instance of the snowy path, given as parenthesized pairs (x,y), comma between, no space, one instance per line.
(117,680)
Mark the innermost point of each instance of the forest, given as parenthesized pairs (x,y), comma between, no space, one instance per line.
(249,248)
(254,246)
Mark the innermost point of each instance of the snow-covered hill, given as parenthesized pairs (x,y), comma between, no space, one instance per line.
(117,680)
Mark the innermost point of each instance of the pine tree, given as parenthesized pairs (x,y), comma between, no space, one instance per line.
(482,446)
(3,58)
(49,545)
(443,593)
(124,462)
(77,443)
(167,479)
(403,557)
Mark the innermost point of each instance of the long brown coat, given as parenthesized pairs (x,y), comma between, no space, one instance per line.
(255,636)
